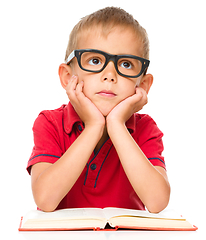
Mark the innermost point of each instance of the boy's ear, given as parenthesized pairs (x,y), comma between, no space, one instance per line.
(146,82)
(65,73)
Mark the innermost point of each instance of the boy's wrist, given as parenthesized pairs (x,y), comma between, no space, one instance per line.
(113,125)
(97,128)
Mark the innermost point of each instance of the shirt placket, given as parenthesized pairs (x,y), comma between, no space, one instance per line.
(95,165)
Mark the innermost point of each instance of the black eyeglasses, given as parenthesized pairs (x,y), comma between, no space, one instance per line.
(92,60)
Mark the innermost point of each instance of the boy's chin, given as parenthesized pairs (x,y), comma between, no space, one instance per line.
(104,110)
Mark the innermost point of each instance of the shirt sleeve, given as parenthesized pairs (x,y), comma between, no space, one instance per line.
(46,142)
(150,141)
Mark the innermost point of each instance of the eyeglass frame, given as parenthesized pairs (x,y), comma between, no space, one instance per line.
(109,57)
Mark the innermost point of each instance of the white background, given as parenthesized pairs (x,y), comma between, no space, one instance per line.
(33,41)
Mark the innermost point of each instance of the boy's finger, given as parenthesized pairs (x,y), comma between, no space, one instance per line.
(73,82)
(141,98)
(71,87)
(79,89)
(139,94)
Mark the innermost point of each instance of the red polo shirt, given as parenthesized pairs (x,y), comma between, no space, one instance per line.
(103,182)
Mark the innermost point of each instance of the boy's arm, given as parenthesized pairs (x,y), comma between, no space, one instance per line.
(59,177)
(149,182)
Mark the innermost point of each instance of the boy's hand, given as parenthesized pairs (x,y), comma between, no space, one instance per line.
(86,110)
(124,110)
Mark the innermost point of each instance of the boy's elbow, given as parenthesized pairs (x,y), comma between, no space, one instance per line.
(44,204)
(159,204)
(46,208)
(156,208)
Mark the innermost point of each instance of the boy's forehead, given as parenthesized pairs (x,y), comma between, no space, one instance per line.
(116,41)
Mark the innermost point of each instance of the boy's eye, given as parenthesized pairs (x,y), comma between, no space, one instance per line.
(94,61)
(126,64)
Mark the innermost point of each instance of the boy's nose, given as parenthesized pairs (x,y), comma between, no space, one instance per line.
(109,73)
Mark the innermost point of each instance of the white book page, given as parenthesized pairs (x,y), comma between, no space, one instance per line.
(166,214)
(72,213)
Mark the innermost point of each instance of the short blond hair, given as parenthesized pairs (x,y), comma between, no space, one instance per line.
(107,19)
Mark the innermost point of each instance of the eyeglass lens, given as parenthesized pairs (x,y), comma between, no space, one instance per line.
(93,61)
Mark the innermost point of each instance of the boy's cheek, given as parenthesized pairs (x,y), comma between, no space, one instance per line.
(80,76)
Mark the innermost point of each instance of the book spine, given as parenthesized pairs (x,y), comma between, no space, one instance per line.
(20,223)
(106,229)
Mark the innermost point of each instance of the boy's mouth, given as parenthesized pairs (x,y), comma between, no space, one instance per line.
(107,93)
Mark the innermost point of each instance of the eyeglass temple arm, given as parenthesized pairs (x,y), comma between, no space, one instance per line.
(71,56)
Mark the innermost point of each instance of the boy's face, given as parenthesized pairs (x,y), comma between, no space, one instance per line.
(106,89)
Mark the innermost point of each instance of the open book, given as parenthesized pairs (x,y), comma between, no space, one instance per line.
(97,219)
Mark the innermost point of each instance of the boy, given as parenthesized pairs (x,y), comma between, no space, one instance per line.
(97,151)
